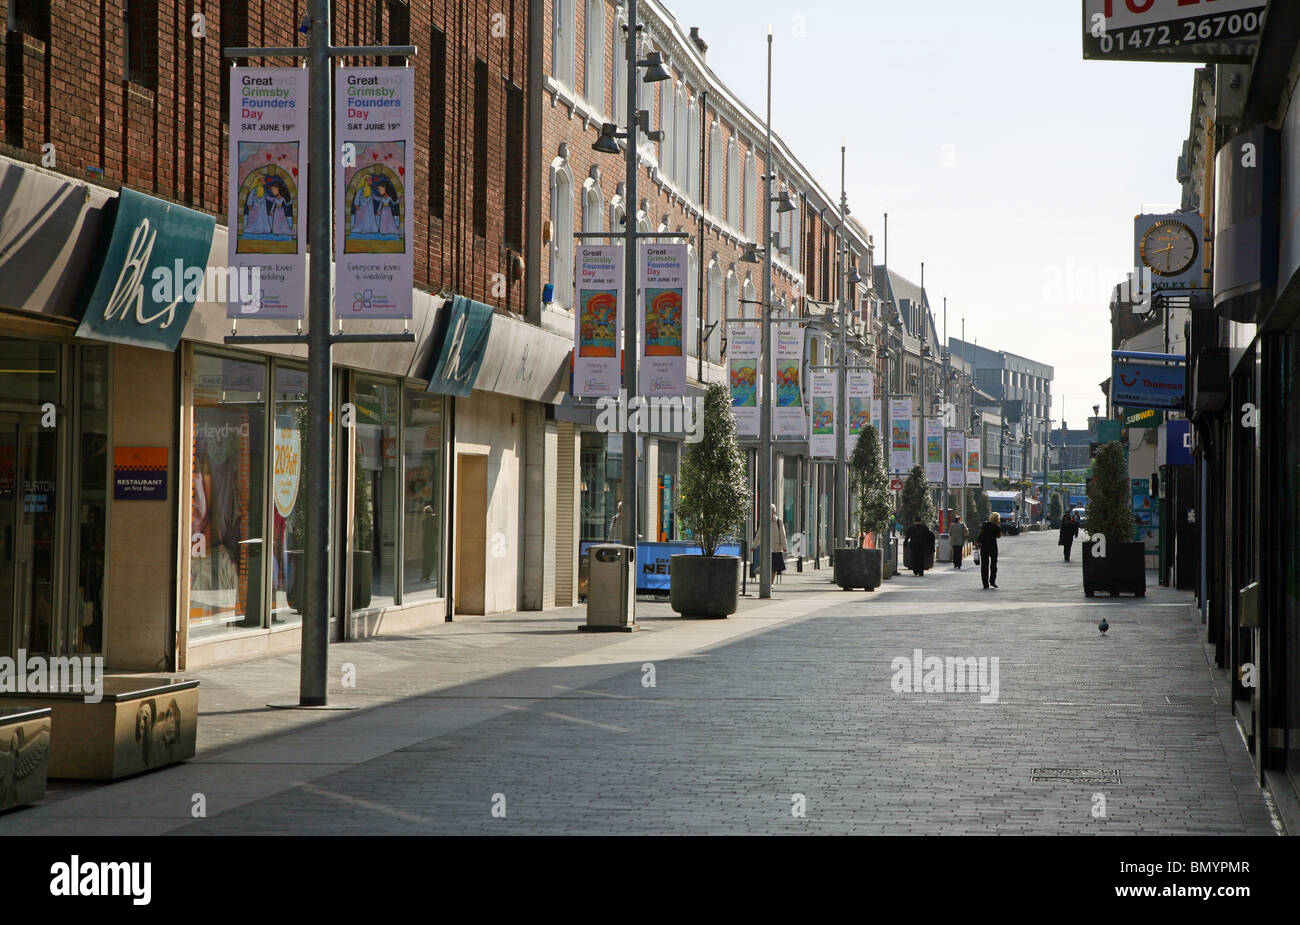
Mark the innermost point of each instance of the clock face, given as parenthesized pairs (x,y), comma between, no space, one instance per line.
(1168,248)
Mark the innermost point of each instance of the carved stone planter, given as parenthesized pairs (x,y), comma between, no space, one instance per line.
(140,724)
(24,755)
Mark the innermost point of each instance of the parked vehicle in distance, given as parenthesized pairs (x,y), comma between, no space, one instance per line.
(1010,507)
(1080,514)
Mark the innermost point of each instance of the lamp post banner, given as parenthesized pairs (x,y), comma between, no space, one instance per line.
(956,459)
(597,358)
(267,253)
(374,134)
(875,421)
(789,421)
(821,389)
(861,387)
(934,450)
(663,292)
(743,352)
(900,435)
(973,461)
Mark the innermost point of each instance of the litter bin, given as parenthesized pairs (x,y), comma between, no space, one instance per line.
(611,587)
(943,548)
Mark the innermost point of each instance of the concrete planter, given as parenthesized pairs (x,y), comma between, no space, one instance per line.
(140,724)
(24,755)
(890,551)
(859,568)
(1122,570)
(704,586)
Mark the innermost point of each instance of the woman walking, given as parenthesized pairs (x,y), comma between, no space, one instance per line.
(778,543)
(987,543)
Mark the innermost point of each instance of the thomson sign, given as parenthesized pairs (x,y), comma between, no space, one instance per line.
(1199,31)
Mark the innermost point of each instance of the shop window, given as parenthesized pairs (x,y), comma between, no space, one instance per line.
(29,372)
(374,527)
(288,496)
(86,619)
(602,475)
(423,506)
(227,498)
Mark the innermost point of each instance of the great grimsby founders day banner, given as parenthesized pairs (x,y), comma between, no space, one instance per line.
(663,346)
(266,214)
(597,359)
(374,131)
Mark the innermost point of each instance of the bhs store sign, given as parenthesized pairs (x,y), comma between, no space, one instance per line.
(146,234)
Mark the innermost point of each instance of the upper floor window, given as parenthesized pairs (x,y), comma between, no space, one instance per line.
(562,34)
(715,170)
(751,194)
(733,183)
(593,67)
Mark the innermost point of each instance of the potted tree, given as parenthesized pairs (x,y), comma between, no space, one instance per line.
(712,504)
(916,506)
(863,568)
(1055,510)
(1112,561)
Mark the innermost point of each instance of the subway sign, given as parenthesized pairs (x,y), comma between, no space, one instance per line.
(1198,31)
(1143,418)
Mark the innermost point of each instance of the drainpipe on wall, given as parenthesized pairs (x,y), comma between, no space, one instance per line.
(533,169)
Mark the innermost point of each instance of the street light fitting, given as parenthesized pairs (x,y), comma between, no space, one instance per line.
(606,143)
(784,203)
(655,70)
(853,277)
(751,254)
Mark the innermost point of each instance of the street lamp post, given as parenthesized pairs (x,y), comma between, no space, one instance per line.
(841,517)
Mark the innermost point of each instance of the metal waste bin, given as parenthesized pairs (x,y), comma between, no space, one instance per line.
(943,548)
(611,586)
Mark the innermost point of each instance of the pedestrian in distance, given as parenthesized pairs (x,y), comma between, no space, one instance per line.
(920,540)
(778,544)
(957,535)
(1069,530)
(987,542)
(616,525)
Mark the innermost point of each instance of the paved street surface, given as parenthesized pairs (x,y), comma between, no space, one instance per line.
(787,705)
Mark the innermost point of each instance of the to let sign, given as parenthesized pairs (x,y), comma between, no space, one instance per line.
(1200,31)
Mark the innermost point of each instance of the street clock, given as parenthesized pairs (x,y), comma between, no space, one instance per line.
(1168,248)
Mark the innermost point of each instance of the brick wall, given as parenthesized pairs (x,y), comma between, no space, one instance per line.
(63,80)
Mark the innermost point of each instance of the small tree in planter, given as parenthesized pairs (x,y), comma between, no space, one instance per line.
(1112,561)
(712,504)
(1055,510)
(862,568)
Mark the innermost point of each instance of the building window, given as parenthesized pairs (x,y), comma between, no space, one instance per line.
(668,146)
(480,146)
(375,505)
(234,33)
(562,42)
(751,194)
(514,186)
(715,170)
(713,311)
(438,122)
(289,509)
(562,235)
(692,301)
(685,167)
(399,28)
(593,206)
(733,184)
(620,70)
(422,508)
(693,152)
(593,65)
(140,35)
(227,499)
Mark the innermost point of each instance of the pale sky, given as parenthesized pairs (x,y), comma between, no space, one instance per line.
(1052,156)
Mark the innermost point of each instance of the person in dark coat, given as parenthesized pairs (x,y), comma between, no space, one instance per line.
(920,542)
(1069,530)
(987,543)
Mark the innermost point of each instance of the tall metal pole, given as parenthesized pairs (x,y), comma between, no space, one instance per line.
(631,519)
(841,518)
(947,384)
(765,427)
(314,664)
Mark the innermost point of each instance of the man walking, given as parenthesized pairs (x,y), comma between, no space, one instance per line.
(987,541)
(1069,530)
(957,535)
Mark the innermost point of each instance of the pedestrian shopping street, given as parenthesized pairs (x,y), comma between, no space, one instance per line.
(557,731)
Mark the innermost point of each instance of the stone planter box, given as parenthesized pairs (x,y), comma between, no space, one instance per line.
(859,568)
(704,586)
(139,725)
(24,755)
(1122,571)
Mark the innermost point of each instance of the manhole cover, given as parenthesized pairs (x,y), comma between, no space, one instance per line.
(1076,775)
